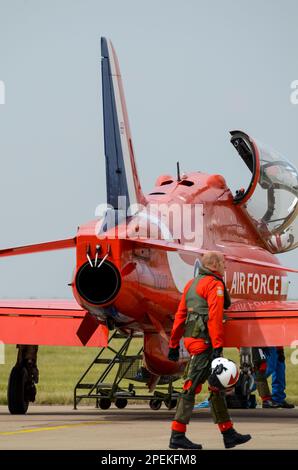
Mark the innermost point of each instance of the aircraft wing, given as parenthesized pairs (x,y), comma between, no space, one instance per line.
(49,322)
(257,323)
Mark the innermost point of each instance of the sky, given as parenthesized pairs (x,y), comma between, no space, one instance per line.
(192,70)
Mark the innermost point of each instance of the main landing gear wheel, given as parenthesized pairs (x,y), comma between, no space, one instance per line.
(105,403)
(170,404)
(155,404)
(18,388)
(121,403)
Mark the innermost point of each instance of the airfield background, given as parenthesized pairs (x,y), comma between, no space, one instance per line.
(192,71)
(57,381)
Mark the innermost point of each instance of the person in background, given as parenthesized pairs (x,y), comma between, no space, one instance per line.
(272,363)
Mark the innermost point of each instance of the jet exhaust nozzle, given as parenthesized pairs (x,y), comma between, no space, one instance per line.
(98,284)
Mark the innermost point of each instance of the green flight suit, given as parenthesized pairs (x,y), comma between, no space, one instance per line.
(199,367)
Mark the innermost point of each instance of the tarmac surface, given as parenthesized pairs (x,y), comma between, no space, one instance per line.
(138,427)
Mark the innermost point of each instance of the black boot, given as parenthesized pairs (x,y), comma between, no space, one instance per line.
(179,441)
(232,438)
(285,404)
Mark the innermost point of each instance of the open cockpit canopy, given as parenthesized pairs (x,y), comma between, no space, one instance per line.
(271,198)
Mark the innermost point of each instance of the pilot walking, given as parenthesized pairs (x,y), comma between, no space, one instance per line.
(199,319)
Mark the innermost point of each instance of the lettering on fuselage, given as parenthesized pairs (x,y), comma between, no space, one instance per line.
(254,283)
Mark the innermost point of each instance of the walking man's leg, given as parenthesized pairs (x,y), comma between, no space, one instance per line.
(199,369)
(221,417)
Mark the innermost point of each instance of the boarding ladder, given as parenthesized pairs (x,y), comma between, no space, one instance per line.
(115,369)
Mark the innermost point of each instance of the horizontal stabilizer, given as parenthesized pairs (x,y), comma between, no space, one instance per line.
(39,247)
(172,246)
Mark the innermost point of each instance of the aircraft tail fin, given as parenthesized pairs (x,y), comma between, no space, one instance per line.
(121,173)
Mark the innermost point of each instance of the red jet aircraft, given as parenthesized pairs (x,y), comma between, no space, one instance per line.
(133,261)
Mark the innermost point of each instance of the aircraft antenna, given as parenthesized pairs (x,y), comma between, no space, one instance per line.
(178,172)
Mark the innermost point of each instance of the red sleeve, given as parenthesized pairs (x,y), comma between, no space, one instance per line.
(215,299)
(180,317)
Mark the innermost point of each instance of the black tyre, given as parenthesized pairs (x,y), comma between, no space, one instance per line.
(155,404)
(121,403)
(105,403)
(17,398)
(170,404)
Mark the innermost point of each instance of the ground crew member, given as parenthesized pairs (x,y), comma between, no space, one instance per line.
(273,364)
(199,319)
